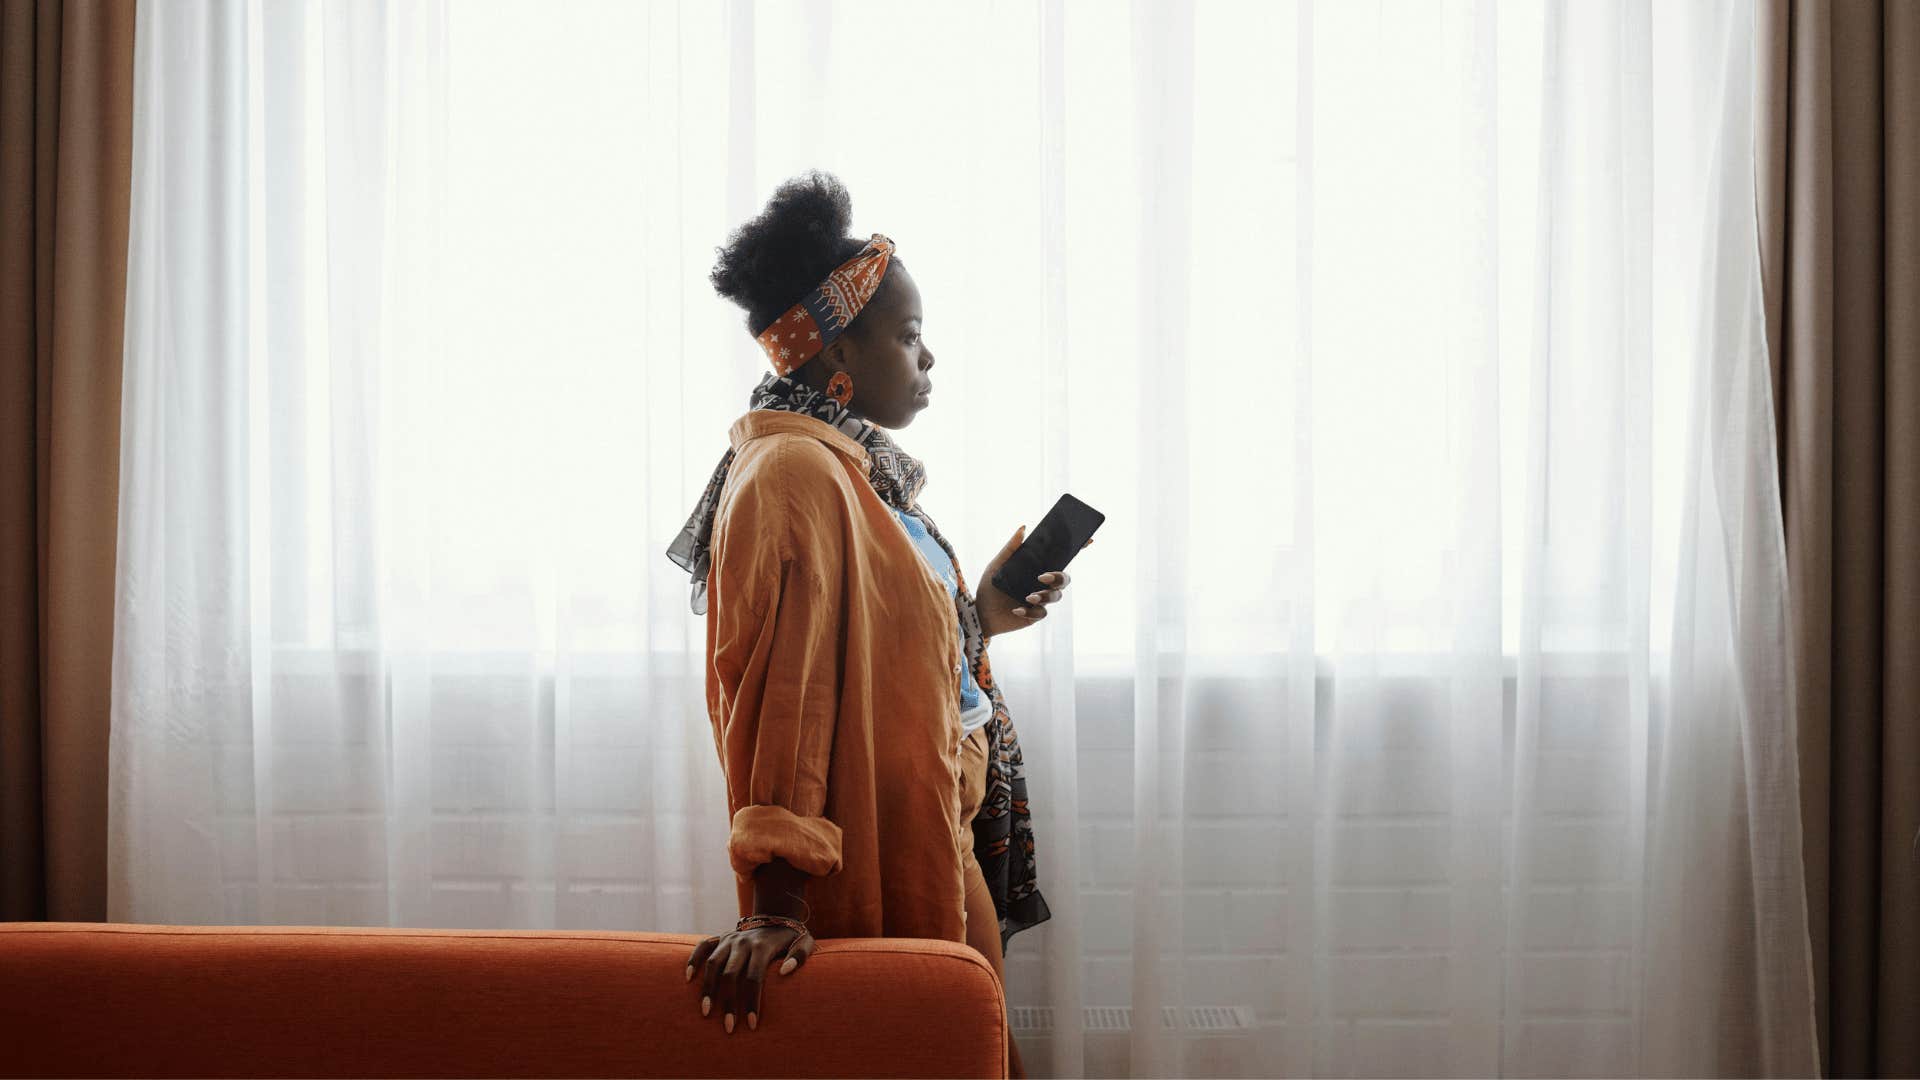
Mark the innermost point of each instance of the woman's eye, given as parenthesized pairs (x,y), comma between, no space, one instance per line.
(913,337)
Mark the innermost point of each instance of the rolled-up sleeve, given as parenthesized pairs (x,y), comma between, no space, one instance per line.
(775,653)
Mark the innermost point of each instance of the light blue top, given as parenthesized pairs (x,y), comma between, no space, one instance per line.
(976,708)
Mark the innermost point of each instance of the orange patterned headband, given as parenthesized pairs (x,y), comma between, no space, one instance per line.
(823,314)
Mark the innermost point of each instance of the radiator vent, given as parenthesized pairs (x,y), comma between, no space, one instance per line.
(1038,1019)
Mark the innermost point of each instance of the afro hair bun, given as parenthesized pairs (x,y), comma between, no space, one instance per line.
(769,263)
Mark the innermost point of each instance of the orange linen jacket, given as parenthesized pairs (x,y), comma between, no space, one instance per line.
(833,676)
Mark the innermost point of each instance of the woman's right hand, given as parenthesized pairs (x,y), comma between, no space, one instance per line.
(734,963)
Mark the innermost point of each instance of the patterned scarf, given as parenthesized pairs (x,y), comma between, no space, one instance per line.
(1003,828)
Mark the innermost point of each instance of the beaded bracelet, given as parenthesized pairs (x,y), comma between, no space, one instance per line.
(749,922)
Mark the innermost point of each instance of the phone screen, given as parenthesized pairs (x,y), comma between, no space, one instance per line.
(1050,546)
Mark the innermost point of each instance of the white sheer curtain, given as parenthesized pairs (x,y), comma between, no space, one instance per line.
(1423,706)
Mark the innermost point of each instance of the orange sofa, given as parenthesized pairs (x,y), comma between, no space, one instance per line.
(126,999)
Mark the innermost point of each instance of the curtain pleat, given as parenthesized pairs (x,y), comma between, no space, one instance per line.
(1839,194)
(66,123)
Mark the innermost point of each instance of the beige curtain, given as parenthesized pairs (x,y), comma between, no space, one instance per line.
(1839,165)
(66,145)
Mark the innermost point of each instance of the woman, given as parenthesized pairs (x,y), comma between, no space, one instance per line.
(875,781)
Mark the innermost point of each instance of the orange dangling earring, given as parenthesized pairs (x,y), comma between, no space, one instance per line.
(840,388)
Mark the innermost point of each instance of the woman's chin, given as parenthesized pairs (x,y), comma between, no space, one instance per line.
(915,405)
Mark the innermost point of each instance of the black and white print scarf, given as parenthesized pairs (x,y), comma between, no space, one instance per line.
(1003,828)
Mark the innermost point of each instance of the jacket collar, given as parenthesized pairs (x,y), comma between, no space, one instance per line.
(757,422)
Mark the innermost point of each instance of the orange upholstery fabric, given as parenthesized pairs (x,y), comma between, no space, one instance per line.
(122,999)
(833,681)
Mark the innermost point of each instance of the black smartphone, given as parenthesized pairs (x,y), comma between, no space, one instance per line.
(1050,546)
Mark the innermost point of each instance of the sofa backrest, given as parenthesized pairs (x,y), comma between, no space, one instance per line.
(126,999)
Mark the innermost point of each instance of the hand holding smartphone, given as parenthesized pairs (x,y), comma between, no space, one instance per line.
(1050,546)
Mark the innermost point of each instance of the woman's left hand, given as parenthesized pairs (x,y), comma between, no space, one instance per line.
(999,612)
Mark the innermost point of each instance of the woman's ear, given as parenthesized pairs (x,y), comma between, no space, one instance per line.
(834,358)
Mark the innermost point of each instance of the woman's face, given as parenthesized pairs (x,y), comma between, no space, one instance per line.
(888,358)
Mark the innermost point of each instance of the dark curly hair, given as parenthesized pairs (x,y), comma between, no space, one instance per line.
(769,263)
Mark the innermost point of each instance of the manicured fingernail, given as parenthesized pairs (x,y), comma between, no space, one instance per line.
(753,1021)
(729,1023)
(706,1005)
(689,977)
(1033,598)
(1019,611)
(789,965)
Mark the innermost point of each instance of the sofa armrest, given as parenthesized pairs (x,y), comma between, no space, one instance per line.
(132,999)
